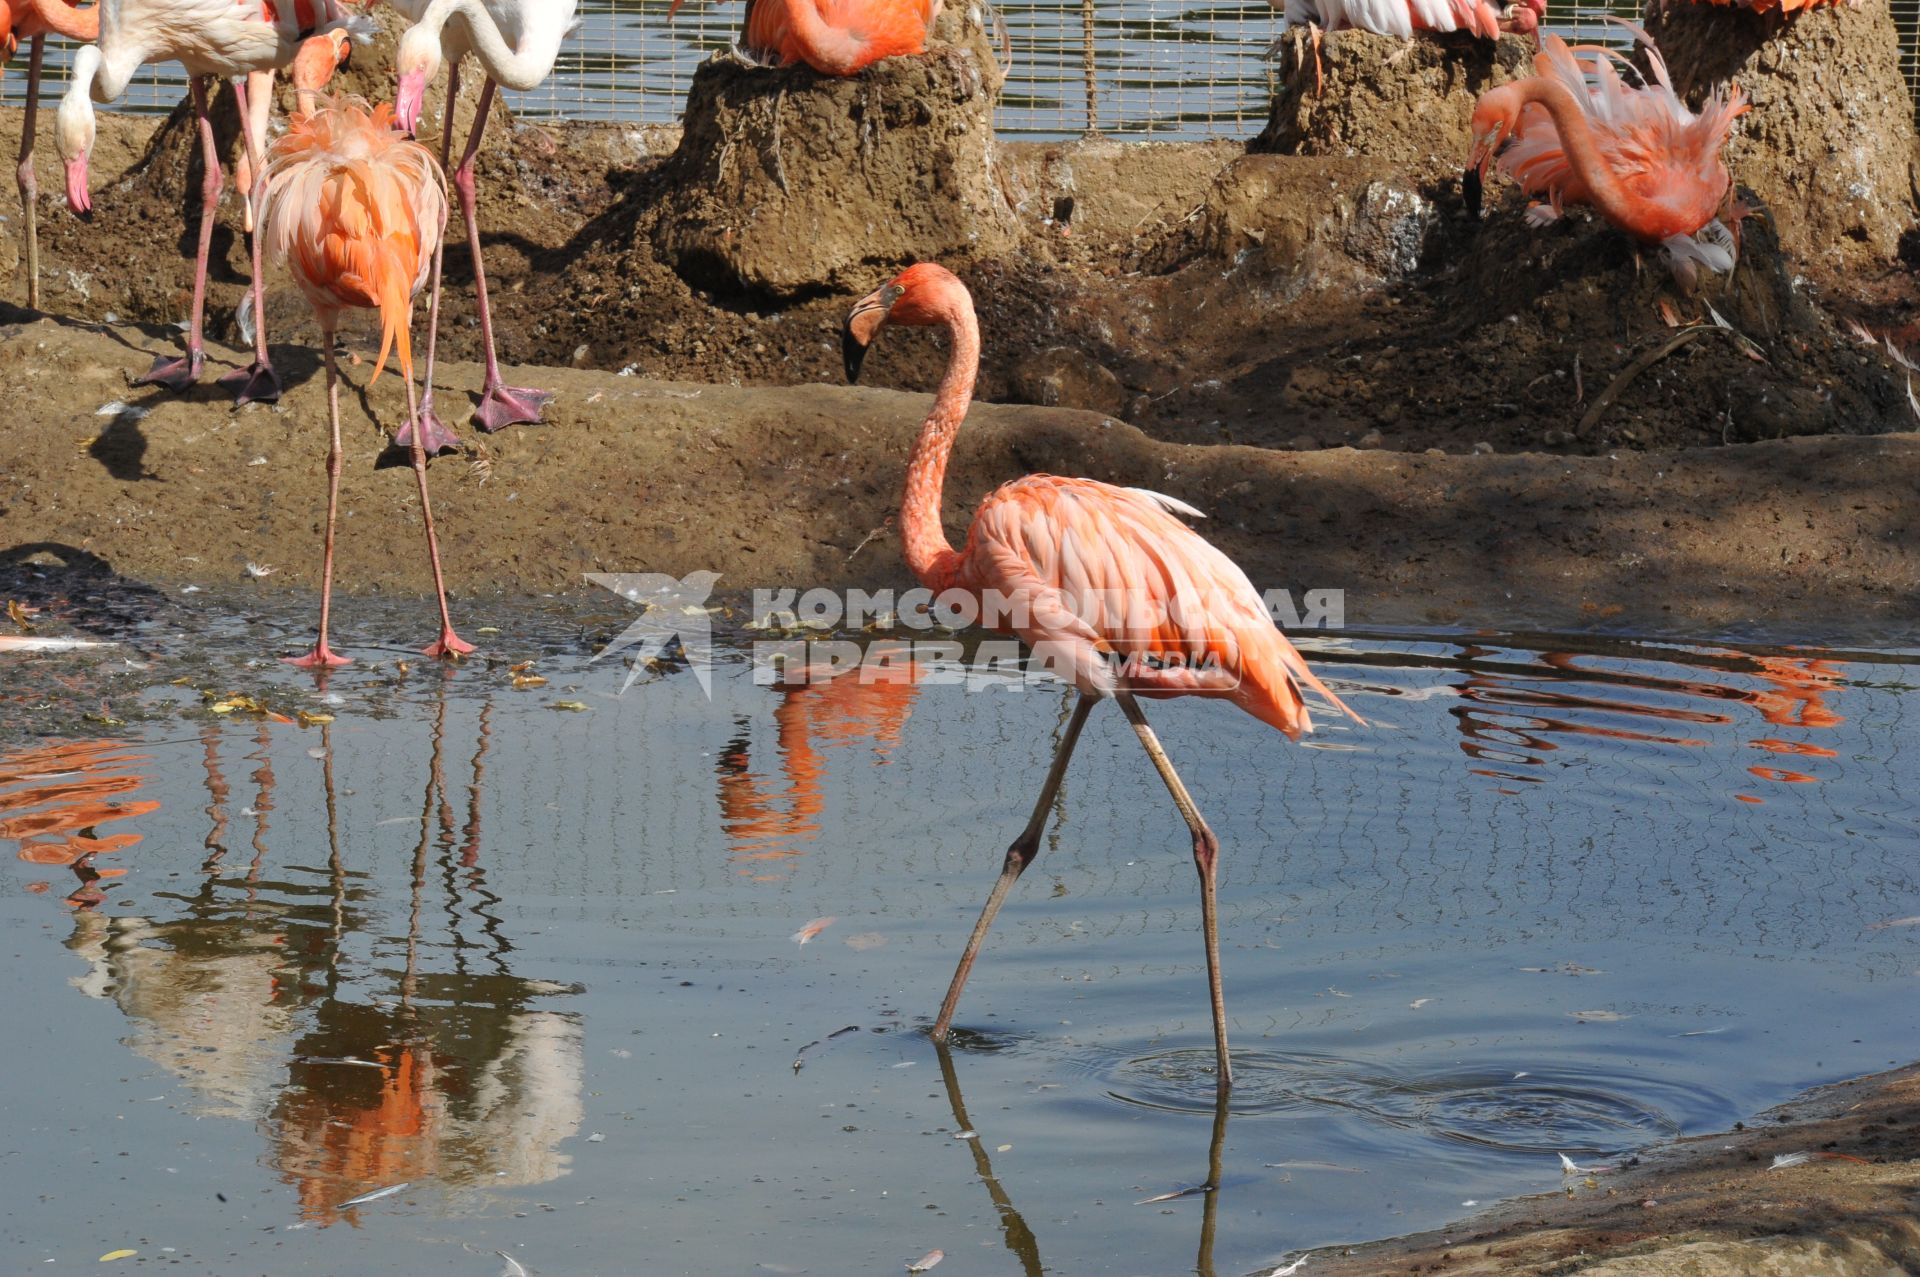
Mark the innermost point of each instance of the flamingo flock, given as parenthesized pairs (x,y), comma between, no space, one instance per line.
(1108,586)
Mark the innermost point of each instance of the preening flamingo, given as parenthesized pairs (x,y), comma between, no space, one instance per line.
(1576,133)
(34,21)
(516,42)
(357,212)
(212,39)
(1103,583)
(834,37)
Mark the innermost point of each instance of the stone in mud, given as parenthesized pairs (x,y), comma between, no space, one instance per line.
(788,183)
(1316,223)
(1389,228)
(1409,103)
(1829,143)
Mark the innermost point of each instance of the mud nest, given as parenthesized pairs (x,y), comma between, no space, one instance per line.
(1409,103)
(1829,143)
(1567,327)
(788,184)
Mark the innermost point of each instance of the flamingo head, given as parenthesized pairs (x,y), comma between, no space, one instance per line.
(1496,117)
(74,133)
(919,296)
(319,57)
(418,63)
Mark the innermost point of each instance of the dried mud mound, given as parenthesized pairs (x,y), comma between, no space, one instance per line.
(1407,103)
(1829,143)
(788,183)
(1565,334)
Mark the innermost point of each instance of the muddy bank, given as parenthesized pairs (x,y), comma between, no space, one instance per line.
(1710,1206)
(798,485)
(1205,294)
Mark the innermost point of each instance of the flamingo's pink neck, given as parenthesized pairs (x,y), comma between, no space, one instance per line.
(930,555)
(1648,219)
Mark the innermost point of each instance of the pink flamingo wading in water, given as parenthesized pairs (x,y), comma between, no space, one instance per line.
(1103,583)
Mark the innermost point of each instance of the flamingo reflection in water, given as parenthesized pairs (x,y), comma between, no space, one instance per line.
(1017,1235)
(255,993)
(819,709)
(53,800)
(1510,716)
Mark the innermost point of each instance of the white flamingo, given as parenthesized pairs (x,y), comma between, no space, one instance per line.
(516,42)
(223,39)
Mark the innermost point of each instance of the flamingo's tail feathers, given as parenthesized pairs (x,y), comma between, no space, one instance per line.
(1306,675)
(393,289)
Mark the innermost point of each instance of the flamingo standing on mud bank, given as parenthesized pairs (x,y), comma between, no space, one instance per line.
(1103,583)
(34,21)
(357,212)
(834,37)
(516,42)
(1578,134)
(1405,19)
(213,40)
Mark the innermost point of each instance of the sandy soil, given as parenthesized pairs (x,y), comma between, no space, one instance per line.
(797,485)
(1202,293)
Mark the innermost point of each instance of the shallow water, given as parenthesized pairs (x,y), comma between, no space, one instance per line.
(1564,895)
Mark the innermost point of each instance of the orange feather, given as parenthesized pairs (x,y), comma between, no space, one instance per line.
(835,37)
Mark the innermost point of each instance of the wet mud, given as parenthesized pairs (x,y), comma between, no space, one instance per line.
(799,485)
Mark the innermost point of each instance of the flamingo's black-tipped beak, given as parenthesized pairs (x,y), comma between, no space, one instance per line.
(1470,190)
(853,350)
(868,314)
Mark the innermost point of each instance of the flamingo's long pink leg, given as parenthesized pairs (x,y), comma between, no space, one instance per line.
(184,371)
(29,188)
(501,405)
(257,381)
(323,657)
(449,643)
(436,437)
(1019,856)
(1206,854)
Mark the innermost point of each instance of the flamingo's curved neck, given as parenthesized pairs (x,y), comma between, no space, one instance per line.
(1617,204)
(70,23)
(833,50)
(929,553)
(518,69)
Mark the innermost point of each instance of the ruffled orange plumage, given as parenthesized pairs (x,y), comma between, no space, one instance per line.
(357,211)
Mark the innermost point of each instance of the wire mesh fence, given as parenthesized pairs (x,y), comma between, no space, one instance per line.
(1169,69)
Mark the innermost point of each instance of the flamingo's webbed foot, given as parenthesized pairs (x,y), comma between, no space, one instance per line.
(256,383)
(505,406)
(435,438)
(321,657)
(448,646)
(177,374)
